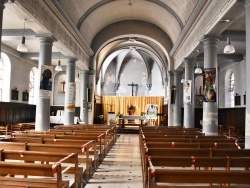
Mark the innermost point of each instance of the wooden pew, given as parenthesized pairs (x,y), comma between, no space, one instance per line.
(194,145)
(47,157)
(82,151)
(45,171)
(30,138)
(112,129)
(14,182)
(185,178)
(201,162)
(99,139)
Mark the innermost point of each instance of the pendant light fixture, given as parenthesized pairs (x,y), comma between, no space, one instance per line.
(78,78)
(198,69)
(229,49)
(22,47)
(58,67)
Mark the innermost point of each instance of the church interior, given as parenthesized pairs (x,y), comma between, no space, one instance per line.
(124,93)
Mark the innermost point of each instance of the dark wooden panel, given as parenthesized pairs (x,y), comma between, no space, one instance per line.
(97,112)
(16,112)
(53,110)
(232,116)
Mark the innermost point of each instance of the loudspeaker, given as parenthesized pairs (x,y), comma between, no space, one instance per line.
(88,95)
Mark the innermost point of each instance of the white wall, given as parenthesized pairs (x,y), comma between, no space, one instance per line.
(239,70)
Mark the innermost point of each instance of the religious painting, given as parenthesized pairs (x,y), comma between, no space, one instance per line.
(46,81)
(209,89)
(152,110)
(89,107)
(25,96)
(187,91)
(14,94)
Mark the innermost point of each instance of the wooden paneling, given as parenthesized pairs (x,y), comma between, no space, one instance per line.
(97,112)
(16,112)
(53,110)
(232,116)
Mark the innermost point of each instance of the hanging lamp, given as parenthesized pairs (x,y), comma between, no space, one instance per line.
(59,67)
(22,46)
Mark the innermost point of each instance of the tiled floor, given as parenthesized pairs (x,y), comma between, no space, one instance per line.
(122,166)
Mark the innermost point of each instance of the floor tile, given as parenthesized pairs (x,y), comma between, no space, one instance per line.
(121,168)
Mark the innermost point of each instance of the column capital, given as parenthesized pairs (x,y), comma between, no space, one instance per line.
(177,72)
(92,72)
(170,73)
(46,38)
(189,61)
(210,40)
(70,59)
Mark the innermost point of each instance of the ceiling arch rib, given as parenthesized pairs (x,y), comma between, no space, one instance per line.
(106,63)
(103,2)
(124,44)
(142,11)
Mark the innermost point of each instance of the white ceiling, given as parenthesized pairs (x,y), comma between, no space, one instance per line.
(91,17)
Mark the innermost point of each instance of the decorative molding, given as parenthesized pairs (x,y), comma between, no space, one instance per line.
(51,18)
(211,13)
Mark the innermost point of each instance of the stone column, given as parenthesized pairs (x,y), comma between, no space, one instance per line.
(247,119)
(83,98)
(43,102)
(189,115)
(170,106)
(91,96)
(178,98)
(210,109)
(1,20)
(69,105)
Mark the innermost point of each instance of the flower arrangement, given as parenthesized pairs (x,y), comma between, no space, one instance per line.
(131,107)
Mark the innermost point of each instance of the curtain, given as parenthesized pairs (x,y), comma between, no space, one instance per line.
(119,105)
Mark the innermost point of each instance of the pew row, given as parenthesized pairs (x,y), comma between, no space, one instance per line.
(48,172)
(82,151)
(69,162)
(193,178)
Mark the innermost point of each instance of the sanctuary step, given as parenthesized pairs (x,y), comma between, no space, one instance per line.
(128,129)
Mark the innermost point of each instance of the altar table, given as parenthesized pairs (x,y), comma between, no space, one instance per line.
(122,118)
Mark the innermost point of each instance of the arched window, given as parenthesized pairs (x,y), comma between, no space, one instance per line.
(32,87)
(232,89)
(1,80)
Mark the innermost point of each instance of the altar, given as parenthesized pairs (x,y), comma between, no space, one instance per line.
(131,117)
(59,120)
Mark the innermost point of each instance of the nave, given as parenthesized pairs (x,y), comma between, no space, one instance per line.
(121,168)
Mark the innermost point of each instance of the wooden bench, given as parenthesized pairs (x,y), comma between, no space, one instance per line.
(82,151)
(14,182)
(99,139)
(45,171)
(5,129)
(69,162)
(197,177)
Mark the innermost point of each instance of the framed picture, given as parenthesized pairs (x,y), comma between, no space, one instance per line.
(89,107)
(14,94)
(25,96)
(199,102)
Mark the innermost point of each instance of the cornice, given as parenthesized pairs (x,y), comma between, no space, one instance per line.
(48,15)
(209,15)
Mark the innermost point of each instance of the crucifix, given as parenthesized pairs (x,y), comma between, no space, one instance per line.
(63,83)
(132,85)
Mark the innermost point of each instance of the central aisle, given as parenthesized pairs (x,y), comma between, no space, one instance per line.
(121,168)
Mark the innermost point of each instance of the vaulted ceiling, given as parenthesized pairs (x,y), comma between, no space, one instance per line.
(154,27)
